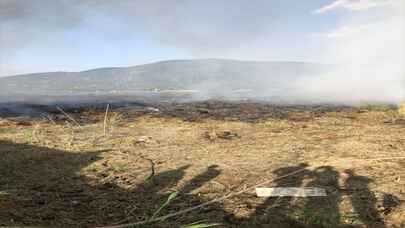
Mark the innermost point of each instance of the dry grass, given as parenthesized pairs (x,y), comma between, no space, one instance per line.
(401,109)
(63,175)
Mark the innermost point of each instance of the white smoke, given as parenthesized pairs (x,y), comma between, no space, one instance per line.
(371,57)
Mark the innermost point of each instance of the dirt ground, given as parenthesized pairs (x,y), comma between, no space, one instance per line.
(54,173)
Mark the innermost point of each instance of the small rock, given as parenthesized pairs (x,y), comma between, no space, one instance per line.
(227,134)
(143,140)
(75,202)
(398,179)
(152,109)
(210,135)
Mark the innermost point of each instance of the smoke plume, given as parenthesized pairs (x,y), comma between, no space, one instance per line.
(369,52)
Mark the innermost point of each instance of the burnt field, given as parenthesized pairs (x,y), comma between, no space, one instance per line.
(85,167)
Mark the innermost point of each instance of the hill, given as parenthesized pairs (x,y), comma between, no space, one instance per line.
(205,77)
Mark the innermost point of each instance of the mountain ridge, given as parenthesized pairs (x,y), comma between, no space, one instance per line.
(209,76)
(164,61)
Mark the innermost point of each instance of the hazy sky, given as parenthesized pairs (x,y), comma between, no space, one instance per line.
(72,35)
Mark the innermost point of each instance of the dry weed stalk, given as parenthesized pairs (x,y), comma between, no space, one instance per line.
(68,116)
(114,119)
(105,120)
(70,139)
(49,118)
(34,132)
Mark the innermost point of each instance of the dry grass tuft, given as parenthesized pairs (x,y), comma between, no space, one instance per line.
(401,109)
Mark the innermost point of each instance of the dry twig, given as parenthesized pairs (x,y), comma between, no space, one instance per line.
(105,119)
(68,116)
(49,118)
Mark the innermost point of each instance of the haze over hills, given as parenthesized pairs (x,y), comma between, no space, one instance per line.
(203,78)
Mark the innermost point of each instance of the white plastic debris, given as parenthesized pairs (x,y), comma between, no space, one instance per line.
(295,192)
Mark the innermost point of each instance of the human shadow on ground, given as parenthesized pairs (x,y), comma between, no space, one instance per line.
(323,211)
(42,186)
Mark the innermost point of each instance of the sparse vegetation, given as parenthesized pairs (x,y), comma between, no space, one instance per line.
(378,106)
(59,174)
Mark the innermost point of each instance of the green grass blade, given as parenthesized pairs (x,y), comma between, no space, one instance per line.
(201,225)
(169,199)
